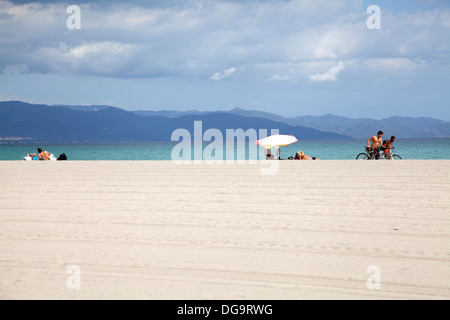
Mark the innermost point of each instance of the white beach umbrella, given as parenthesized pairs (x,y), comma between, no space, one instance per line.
(276,141)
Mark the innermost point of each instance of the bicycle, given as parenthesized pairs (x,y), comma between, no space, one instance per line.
(378,155)
(387,155)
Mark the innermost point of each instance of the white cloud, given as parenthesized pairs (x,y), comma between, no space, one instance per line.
(272,40)
(391,64)
(277,78)
(226,73)
(330,75)
(105,58)
(100,49)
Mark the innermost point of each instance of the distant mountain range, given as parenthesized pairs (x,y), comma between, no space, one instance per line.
(363,128)
(21,121)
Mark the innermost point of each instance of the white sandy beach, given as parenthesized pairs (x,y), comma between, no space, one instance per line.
(155,230)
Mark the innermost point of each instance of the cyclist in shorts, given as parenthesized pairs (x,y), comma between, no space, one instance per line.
(377,142)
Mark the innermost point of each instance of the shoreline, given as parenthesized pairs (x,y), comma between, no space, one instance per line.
(436,149)
(154,230)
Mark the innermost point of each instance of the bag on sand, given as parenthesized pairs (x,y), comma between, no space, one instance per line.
(62,156)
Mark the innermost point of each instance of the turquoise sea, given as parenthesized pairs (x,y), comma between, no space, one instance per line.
(326,150)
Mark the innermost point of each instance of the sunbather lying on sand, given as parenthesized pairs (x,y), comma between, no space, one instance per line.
(301,156)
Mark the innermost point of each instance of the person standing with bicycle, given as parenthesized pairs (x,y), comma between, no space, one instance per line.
(374,145)
(387,146)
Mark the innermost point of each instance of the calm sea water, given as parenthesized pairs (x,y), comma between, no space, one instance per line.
(327,150)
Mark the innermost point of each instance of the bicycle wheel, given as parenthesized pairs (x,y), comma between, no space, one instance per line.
(362,156)
(396,157)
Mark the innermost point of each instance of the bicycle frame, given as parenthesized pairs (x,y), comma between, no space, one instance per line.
(387,155)
(373,154)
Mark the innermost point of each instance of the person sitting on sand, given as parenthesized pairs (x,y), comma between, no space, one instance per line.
(301,156)
(45,155)
(269,155)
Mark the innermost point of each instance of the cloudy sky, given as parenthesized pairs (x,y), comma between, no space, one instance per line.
(299,57)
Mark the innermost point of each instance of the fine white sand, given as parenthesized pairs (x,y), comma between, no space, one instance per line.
(156,230)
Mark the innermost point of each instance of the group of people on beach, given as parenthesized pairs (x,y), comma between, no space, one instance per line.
(298,156)
(375,145)
(44,155)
